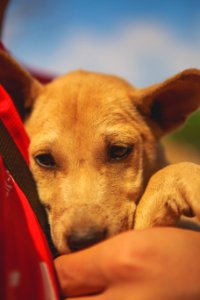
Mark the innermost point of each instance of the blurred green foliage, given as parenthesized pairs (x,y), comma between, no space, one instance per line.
(190,133)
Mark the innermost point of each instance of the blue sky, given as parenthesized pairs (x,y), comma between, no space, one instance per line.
(144,41)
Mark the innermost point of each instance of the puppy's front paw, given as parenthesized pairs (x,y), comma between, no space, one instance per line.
(170,193)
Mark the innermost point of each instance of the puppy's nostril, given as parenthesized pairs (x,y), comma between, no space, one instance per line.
(82,239)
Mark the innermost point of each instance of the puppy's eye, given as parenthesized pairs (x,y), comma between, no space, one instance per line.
(119,152)
(45,160)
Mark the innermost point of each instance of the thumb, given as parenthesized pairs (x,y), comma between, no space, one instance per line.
(80,273)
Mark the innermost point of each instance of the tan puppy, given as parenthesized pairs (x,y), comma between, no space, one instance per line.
(95,146)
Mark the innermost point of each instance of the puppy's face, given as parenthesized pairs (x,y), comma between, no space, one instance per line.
(94,143)
(91,155)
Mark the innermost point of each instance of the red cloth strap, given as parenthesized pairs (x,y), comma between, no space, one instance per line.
(26,265)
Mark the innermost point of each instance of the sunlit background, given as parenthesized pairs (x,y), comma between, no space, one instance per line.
(144,41)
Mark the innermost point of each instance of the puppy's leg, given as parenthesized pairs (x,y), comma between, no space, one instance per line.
(170,193)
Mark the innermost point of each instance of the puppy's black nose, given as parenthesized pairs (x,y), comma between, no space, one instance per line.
(80,239)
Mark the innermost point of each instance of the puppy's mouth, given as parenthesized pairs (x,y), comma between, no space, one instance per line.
(78,240)
(83,231)
(81,239)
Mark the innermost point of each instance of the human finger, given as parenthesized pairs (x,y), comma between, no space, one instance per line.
(80,273)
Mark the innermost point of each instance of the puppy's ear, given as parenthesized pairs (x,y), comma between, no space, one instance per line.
(19,84)
(167,105)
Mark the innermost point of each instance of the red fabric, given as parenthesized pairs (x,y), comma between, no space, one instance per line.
(2,46)
(41,76)
(26,266)
(12,122)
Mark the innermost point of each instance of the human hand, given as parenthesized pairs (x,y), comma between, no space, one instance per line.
(152,264)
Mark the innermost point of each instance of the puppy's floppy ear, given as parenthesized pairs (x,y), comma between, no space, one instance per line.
(19,84)
(168,104)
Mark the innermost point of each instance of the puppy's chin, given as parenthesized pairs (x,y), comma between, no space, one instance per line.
(61,245)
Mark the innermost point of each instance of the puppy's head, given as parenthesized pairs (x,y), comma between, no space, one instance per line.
(94,145)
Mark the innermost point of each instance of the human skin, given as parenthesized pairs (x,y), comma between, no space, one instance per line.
(158,263)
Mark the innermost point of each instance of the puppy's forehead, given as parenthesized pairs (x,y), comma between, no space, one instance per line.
(80,95)
(82,110)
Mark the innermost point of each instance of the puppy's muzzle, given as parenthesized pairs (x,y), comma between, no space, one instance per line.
(79,239)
